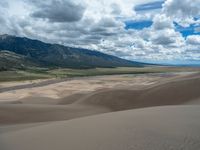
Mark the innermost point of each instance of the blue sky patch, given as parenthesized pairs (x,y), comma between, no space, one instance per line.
(186,31)
(138,25)
(141,24)
(149,6)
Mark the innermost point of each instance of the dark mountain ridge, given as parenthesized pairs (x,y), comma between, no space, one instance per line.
(54,55)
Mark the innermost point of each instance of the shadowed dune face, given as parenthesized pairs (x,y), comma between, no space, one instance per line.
(29,113)
(113,99)
(158,128)
(173,92)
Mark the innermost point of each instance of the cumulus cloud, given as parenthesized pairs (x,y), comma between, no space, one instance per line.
(116,10)
(167,37)
(59,11)
(193,40)
(163,32)
(183,12)
(100,25)
(162,22)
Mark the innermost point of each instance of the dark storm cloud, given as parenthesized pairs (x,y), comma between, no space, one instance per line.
(59,11)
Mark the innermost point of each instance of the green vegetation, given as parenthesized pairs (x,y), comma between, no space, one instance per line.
(10,60)
(118,70)
(98,71)
(21,76)
(44,73)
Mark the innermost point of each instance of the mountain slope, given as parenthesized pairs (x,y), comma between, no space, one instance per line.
(61,56)
(10,60)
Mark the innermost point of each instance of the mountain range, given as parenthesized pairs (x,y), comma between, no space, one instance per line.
(22,52)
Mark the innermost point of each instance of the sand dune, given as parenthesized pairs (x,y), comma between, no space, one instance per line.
(181,90)
(29,113)
(101,114)
(63,89)
(157,128)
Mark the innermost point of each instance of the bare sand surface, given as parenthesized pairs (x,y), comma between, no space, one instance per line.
(104,113)
(58,89)
(90,96)
(158,128)
(64,88)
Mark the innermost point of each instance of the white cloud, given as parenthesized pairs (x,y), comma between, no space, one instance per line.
(99,25)
(193,40)
(59,10)
(162,22)
(182,11)
(167,37)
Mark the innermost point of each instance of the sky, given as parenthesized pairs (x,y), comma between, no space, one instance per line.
(156,31)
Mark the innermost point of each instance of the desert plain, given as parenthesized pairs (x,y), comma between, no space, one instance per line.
(153,111)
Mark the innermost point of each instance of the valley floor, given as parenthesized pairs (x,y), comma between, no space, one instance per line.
(130,112)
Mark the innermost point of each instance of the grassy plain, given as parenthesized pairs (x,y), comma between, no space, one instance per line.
(44,73)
